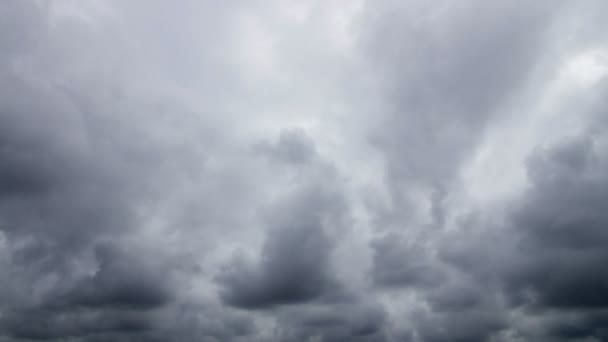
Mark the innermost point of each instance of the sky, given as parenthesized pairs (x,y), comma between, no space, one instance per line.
(303,170)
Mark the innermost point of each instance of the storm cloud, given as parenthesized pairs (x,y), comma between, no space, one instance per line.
(420,171)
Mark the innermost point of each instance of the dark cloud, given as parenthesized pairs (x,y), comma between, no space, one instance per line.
(562,222)
(548,257)
(67,186)
(303,171)
(468,326)
(397,263)
(119,298)
(294,265)
(40,324)
(293,269)
(354,320)
(119,282)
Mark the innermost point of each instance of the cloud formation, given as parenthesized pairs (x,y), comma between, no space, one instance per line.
(303,171)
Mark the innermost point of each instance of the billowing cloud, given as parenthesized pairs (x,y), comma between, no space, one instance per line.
(303,171)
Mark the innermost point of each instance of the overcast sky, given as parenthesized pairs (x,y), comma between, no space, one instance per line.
(304,170)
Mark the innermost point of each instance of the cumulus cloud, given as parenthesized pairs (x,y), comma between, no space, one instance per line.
(294,265)
(303,171)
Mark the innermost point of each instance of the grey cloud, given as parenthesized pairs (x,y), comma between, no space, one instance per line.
(445,77)
(21,37)
(352,319)
(120,298)
(462,309)
(120,282)
(36,324)
(562,222)
(67,185)
(456,298)
(397,263)
(294,265)
(548,257)
(293,146)
(474,326)
(293,269)
(204,322)
(148,148)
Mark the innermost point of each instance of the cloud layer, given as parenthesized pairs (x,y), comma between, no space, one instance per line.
(303,171)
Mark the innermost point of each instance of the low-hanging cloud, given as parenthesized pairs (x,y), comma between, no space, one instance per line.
(303,171)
